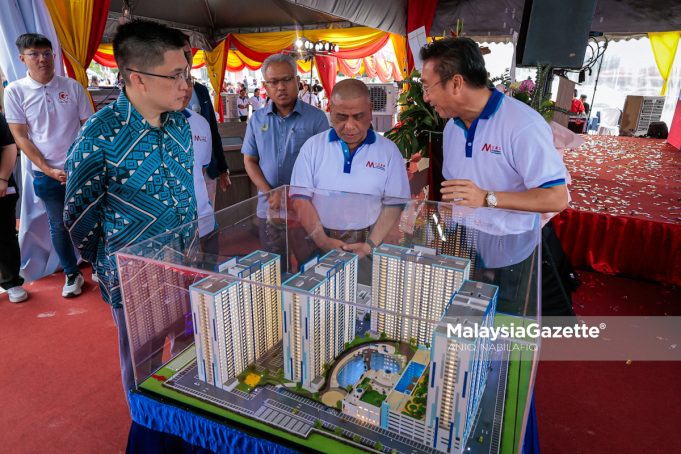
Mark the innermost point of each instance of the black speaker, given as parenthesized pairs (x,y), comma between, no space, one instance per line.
(554,32)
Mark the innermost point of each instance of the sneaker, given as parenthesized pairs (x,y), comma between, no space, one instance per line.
(72,287)
(17,294)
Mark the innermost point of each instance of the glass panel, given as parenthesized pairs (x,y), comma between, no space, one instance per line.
(277,310)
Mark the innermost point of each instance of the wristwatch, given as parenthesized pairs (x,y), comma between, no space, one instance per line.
(491,199)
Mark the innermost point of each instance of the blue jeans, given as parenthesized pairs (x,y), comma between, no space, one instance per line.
(52,193)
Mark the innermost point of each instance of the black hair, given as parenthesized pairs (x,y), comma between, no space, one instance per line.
(140,44)
(457,56)
(32,41)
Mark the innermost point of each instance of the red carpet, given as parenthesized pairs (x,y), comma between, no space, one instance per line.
(612,407)
(625,217)
(60,389)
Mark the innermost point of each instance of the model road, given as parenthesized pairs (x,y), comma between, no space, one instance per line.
(251,404)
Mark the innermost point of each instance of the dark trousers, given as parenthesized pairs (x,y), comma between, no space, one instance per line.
(10,258)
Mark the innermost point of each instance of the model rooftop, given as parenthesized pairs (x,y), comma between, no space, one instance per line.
(468,305)
(315,272)
(238,267)
(422,255)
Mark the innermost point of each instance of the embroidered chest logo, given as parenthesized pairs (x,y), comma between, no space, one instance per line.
(198,138)
(63,97)
(493,149)
(376,165)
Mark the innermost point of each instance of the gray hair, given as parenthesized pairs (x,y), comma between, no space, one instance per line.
(279,58)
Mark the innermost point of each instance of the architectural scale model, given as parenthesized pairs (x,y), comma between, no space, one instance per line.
(316,329)
(413,282)
(224,310)
(404,384)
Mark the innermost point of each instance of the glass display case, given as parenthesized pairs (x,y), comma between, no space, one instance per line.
(343,321)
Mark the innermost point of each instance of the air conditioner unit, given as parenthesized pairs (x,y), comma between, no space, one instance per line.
(384,100)
(639,112)
(229,101)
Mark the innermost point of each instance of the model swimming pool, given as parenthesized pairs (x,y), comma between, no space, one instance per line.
(411,375)
(353,370)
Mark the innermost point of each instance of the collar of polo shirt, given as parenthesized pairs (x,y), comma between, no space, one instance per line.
(35,84)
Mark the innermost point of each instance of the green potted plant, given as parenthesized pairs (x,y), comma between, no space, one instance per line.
(418,133)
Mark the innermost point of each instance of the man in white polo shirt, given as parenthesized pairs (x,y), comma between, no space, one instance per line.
(350,158)
(45,113)
(498,152)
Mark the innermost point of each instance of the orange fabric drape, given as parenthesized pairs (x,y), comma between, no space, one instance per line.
(383,69)
(79,26)
(370,66)
(399,43)
(350,67)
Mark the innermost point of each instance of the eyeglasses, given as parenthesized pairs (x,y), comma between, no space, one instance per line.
(275,82)
(36,55)
(426,90)
(184,76)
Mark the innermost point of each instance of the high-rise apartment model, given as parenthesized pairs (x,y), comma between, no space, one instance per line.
(459,366)
(236,321)
(316,325)
(414,285)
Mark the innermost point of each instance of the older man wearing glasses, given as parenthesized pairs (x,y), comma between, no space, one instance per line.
(130,169)
(273,140)
(45,112)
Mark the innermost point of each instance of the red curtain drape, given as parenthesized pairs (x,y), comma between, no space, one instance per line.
(105,59)
(100,12)
(419,13)
(606,243)
(327,69)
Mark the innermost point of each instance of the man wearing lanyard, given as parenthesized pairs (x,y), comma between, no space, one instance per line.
(273,139)
(130,169)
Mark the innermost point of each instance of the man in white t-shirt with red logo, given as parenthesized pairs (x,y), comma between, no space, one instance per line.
(45,112)
(202,145)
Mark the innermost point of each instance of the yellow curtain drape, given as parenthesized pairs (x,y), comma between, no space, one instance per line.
(664,46)
(346,38)
(73,23)
(304,66)
(400,47)
(198,58)
(215,65)
(105,48)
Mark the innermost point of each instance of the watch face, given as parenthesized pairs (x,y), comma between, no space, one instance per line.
(491,200)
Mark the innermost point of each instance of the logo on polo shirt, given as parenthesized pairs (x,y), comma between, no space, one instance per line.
(494,149)
(198,138)
(63,97)
(376,165)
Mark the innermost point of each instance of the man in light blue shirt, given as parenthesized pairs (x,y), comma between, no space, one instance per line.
(273,140)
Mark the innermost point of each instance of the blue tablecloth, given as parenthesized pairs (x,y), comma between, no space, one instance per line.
(162,428)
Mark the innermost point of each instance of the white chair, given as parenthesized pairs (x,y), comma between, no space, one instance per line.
(610,119)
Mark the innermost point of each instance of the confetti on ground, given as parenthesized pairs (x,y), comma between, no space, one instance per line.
(625,176)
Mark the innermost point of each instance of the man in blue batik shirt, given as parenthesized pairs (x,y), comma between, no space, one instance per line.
(130,169)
